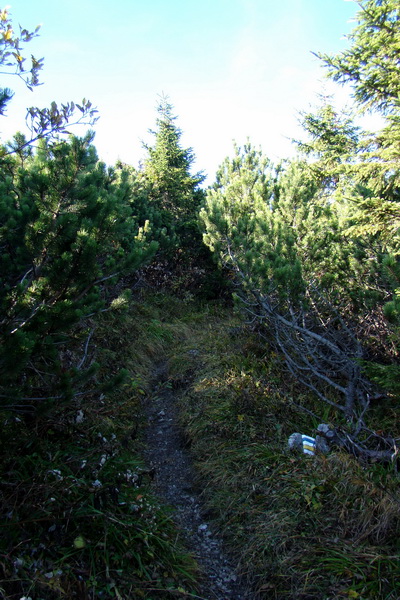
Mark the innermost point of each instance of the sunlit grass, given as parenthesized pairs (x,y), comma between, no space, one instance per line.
(300,527)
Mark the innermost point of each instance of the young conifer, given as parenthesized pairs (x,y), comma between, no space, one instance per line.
(172,189)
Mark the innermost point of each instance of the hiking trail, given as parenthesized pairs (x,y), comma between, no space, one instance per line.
(174,483)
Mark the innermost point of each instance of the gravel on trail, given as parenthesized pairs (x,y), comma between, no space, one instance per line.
(174,483)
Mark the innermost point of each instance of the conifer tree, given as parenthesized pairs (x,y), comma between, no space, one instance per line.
(371,182)
(66,229)
(284,245)
(276,222)
(371,63)
(333,141)
(370,66)
(237,212)
(172,189)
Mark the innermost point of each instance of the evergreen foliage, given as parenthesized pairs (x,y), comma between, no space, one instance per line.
(371,183)
(66,229)
(172,190)
(317,256)
(172,196)
(309,285)
(371,63)
(312,247)
(333,142)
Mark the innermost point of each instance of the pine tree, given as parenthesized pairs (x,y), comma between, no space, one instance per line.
(236,206)
(281,236)
(66,229)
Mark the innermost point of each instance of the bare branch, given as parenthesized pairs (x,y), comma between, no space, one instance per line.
(82,361)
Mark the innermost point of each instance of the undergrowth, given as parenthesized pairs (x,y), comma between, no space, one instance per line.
(78,518)
(320,527)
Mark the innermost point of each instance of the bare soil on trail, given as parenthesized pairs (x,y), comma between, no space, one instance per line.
(174,483)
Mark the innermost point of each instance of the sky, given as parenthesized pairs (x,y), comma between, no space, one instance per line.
(232,69)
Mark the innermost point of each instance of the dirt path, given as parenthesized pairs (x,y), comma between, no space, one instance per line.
(174,483)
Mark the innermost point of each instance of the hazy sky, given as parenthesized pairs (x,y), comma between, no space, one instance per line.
(232,68)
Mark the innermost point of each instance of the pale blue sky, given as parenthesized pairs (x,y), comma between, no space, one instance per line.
(232,68)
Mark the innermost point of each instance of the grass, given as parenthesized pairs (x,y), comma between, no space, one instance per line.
(301,528)
(78,516)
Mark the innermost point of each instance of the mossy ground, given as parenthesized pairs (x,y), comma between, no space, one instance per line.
(301,528)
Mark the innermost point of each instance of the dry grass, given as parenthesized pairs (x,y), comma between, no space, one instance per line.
(302,528)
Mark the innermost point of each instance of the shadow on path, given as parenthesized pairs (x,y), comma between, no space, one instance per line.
(174,484)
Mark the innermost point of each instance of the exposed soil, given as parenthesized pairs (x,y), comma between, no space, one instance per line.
(174,483)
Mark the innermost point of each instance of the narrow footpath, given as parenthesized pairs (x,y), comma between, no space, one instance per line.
(174,484)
